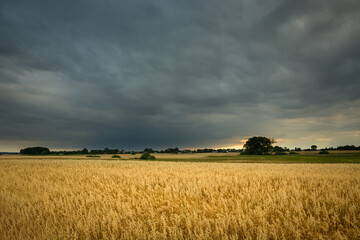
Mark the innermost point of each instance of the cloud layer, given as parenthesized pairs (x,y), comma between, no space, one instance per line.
(135,74)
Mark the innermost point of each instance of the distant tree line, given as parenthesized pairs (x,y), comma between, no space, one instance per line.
(200,150)
(346,147)
(264,146)
(176,150)
(255,145)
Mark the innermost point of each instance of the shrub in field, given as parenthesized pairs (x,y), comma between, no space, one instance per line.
(115,156)
(323,152)
(280,153)
(147,156)
(93,156)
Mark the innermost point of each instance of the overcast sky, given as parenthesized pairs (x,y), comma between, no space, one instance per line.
(174,73)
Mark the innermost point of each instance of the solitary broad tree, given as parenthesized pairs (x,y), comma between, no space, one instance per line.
(258,146)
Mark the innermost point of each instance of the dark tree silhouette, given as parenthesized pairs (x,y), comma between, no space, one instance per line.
(149,150)
(258,146)
(85,151)
(35,151)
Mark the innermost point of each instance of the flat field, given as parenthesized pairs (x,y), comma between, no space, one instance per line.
(81,198)
(301,157)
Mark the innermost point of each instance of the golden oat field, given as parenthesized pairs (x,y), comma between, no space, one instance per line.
(99,199)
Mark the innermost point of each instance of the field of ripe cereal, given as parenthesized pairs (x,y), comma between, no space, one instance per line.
(98,199)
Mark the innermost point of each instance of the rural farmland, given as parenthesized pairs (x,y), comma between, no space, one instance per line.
(192,197)
(196,120)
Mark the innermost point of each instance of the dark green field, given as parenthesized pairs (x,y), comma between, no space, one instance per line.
(343,157)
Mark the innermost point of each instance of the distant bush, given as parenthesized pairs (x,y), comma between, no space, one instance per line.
(293,153)
(93,156)
(115,156)
(280,153)
(323,152)
(147,156)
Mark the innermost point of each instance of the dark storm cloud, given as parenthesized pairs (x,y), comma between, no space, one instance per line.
(135,74)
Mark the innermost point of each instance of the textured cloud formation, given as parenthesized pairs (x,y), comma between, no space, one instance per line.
(134,74)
